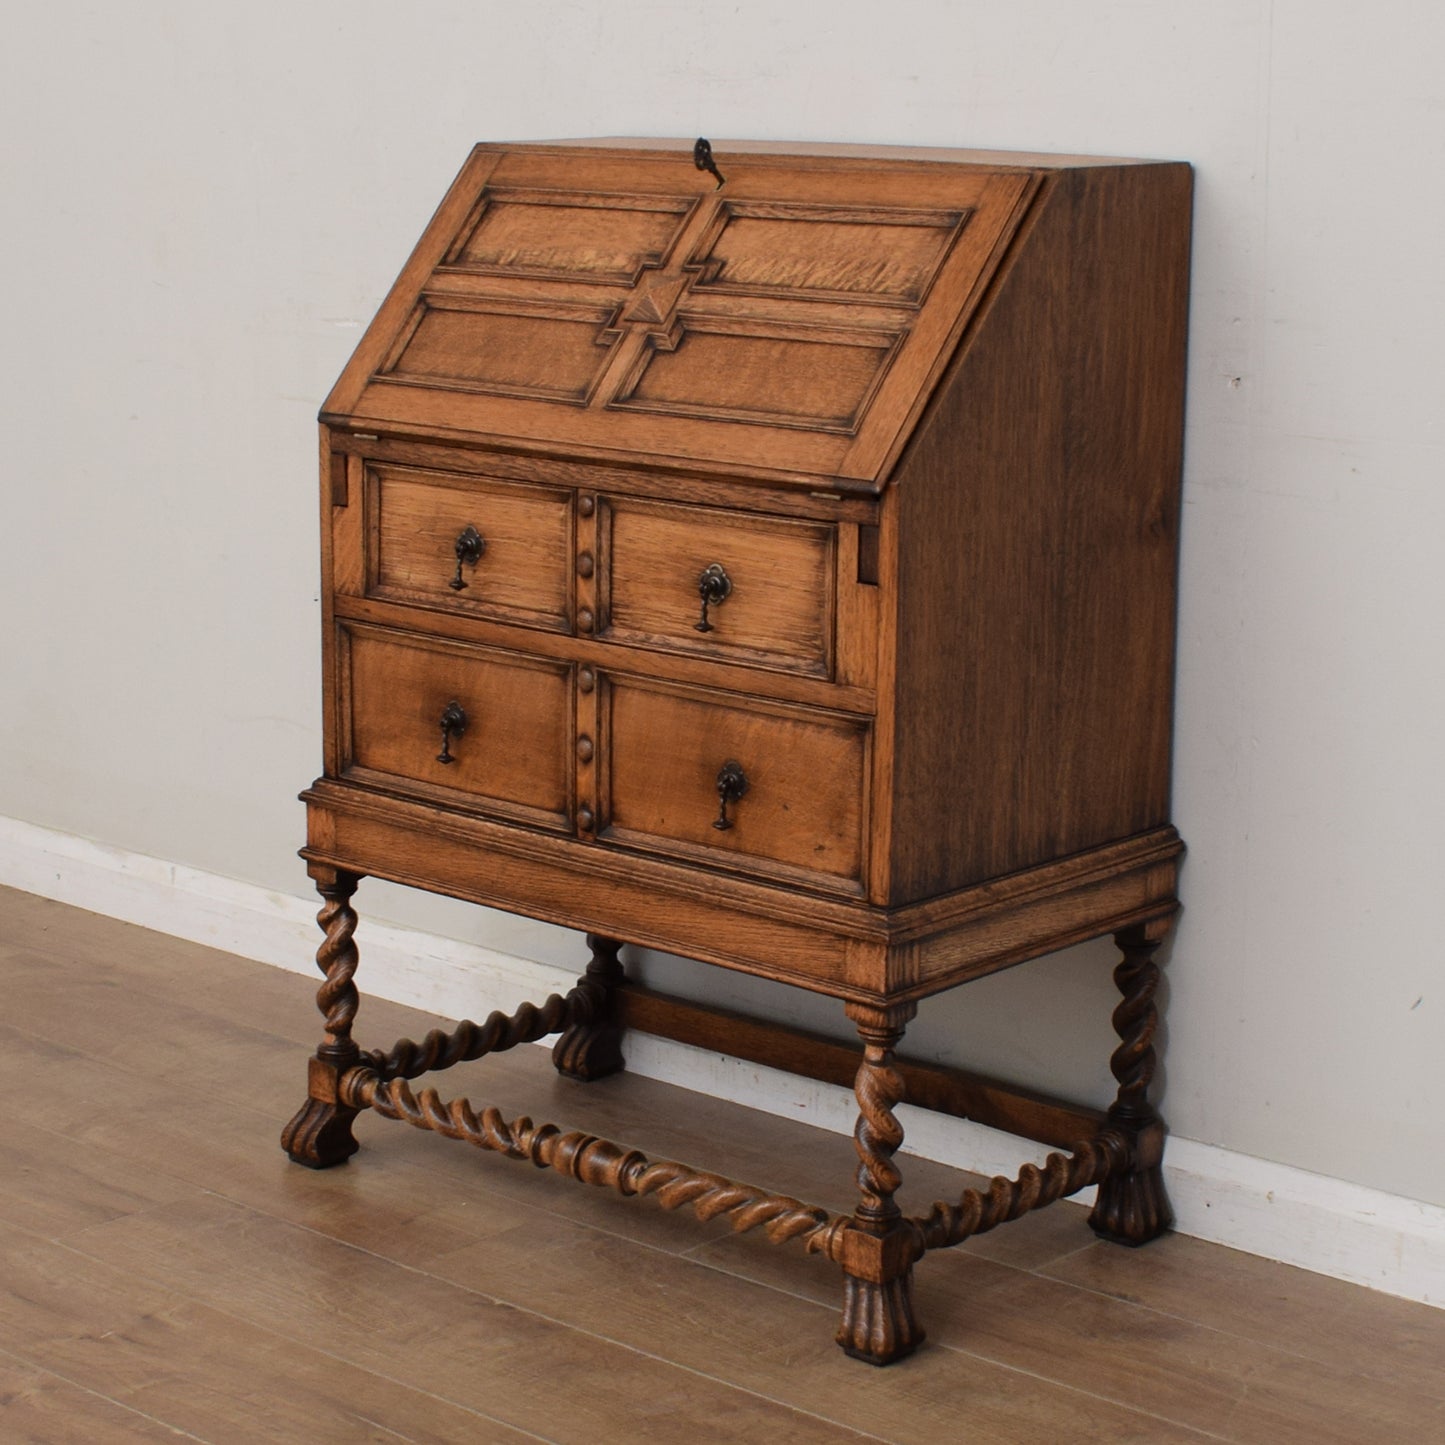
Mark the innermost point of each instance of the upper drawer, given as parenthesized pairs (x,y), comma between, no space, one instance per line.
(506,746)
(720,778)
(500,550)
(772,601)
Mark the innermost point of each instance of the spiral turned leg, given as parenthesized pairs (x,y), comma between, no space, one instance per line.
(320,1134)
(592,1047)
(1132,1206)
(879,1249)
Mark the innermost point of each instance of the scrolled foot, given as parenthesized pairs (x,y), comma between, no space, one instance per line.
(1132,1206)
(319,1136)
(589,1051)
(1132,1209)
(592,1047)
(879,1325)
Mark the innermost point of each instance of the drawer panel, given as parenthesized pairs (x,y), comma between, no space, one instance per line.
(778,611)
(523,573)
(802,815)
(510,754)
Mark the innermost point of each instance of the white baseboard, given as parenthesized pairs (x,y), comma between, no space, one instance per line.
(1329,1226)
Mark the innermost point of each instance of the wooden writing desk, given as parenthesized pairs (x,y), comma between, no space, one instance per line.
(773,564)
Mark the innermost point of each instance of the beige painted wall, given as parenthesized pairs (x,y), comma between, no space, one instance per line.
(203,204)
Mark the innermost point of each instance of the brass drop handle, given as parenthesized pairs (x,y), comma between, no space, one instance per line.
(469,548)
(732,783)
(714,586)
(453,724)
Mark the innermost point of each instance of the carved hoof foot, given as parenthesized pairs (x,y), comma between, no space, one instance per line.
(878,1321)
(320,1135)
(588,1052)
(1132,1208)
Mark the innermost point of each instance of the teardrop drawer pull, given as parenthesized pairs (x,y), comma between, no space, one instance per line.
(469,548)
(714,586)
(732,783)
(453,724)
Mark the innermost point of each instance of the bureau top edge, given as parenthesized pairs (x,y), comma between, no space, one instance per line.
(988,158)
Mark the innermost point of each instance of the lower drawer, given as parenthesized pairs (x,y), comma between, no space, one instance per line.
(506,745)
(757,786)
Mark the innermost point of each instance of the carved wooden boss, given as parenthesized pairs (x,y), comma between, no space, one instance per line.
(769,558)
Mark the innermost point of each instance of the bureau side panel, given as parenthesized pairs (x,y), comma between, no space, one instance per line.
(1037,533)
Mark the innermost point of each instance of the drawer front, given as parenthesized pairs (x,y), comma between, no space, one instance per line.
(508,747)
(776,573)
(486,548)
(801,813)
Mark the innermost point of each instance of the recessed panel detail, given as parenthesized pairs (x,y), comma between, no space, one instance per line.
(569,236)
(752,372)
(827,252)
(549,353)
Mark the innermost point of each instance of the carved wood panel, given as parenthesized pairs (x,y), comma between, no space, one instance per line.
(568,236)
(882,254)
(797,314)
(548,353)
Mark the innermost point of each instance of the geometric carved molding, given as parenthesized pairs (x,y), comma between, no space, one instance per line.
(818,379)
(858,254)
(504,348)
(568,236)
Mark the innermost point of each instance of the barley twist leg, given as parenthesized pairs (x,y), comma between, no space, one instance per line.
(1132,1206)
(320,1133)
(878,1323)
(592,1047)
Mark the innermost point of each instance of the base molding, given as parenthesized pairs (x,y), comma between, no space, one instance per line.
(1312,1221)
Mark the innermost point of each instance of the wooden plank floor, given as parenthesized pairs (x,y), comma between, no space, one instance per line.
(166,1273)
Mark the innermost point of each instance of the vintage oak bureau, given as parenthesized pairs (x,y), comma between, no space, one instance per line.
(766,554)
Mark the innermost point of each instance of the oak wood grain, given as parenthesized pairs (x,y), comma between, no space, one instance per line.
(1037,515)
(195,1368)
(44,1408)
(524,574)
(661,371)
(505,1359)
(1190,1376)
(1396,1342)
(667,797)
(784,1350)
(643,476)
(780,573)
(732,672)
(53,1192)
(510,752)
(930,1086)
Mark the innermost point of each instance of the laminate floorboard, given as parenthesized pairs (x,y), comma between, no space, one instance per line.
(166,1273)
